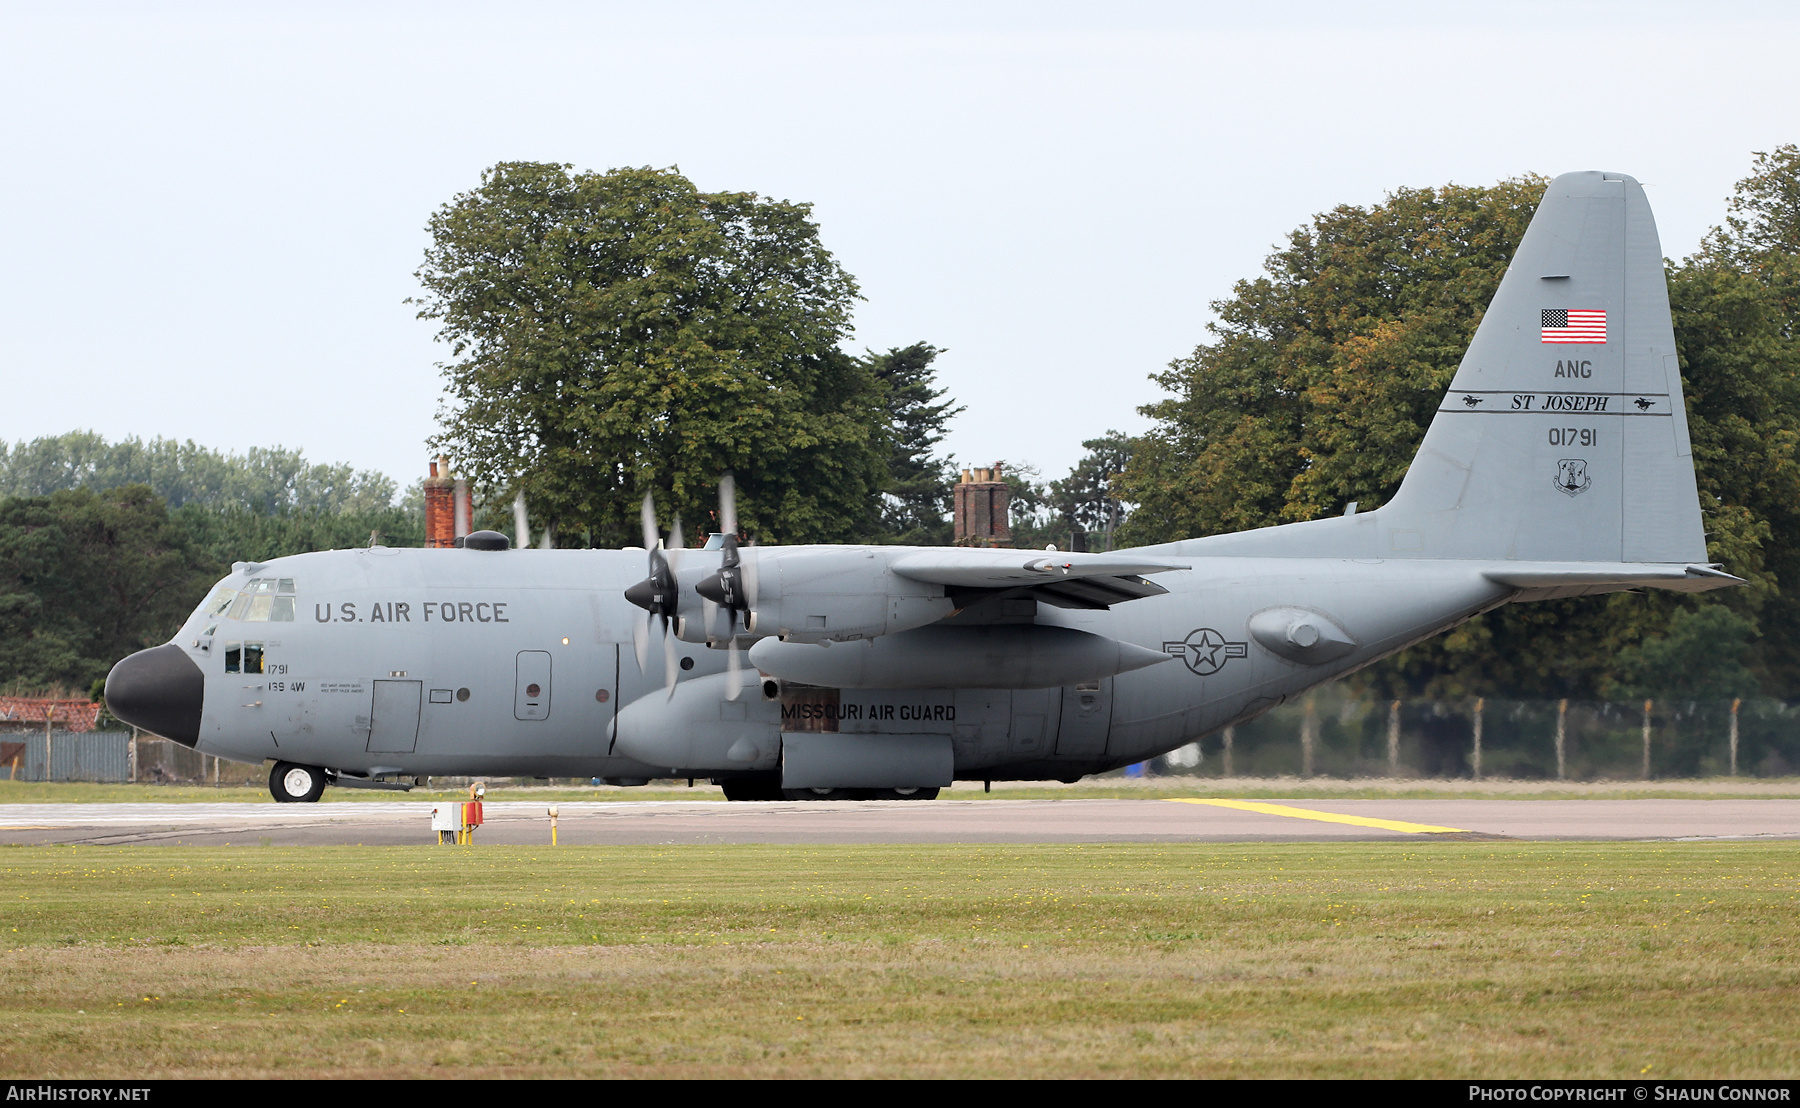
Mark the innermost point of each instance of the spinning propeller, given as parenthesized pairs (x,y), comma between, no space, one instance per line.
(734,586)
(658,594)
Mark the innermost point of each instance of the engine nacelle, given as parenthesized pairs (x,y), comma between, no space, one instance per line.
(1004,656)
(697,731)
(818,594)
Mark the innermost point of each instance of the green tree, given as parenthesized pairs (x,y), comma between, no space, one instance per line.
(265,479)
(1737,325)
(221,537)
(916,499)
(1324,372)
(1700,656)
(94,564)
(85,579)
(1088,498)
(1043,513)
(1031,517)
(623,332)
(1762,224)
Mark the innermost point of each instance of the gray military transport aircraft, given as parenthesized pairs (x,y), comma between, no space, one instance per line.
(1557,465)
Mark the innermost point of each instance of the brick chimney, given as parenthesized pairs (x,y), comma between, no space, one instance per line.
(440,505)
(448,509)
(983,508)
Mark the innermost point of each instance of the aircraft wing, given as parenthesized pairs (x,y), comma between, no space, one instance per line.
(1064,578)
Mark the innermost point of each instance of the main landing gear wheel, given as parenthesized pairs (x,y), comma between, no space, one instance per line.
(920,793)
(749,788)
(819,794)
(294,784)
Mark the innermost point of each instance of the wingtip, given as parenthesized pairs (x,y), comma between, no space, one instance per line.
(1714,572)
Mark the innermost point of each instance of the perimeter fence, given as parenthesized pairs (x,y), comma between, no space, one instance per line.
(1333,733)
(1328,733)
(111,756)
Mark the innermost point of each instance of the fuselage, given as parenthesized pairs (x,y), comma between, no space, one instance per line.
(522,662)
(1529,484)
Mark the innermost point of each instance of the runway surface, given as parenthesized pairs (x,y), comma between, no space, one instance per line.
(1195,819)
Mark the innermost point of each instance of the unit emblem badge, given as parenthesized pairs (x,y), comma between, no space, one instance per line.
(1572,476)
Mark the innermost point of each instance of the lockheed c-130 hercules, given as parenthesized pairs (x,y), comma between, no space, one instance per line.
(889,672)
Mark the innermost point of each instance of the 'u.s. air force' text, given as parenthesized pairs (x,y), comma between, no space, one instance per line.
(401,611)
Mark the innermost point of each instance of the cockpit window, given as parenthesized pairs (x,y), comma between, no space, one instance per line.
(264,600)
(220,600)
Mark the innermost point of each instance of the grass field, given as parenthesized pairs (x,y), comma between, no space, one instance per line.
(1092,788)
(1386,960)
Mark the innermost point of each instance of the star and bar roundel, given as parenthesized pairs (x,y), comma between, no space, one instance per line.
(1566,325)
(1205,651)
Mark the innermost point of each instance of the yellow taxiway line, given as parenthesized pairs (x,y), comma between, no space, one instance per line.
(1324,817)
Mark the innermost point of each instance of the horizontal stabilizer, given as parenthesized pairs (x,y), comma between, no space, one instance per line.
(1582,578)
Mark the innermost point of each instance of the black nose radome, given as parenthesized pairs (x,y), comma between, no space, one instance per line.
(159,690)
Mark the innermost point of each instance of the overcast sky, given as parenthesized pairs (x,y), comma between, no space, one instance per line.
(213,212)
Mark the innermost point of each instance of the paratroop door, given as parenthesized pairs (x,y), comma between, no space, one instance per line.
(394,724)
(1086,719)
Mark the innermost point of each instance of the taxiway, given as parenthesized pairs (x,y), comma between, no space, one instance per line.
(1194,819)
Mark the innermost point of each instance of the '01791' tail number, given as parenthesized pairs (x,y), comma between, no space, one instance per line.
(1573,436)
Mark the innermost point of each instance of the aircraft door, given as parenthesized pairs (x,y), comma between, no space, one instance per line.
(1086,720)
(531,695)
(394,724)
(1035,714)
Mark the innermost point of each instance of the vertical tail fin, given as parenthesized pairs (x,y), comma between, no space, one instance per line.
(1563,436)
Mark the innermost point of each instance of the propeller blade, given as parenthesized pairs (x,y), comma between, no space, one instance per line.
(676,542)
(657,594)
(732,685)
(671,664)
(649,519)
(727,505)
(747,562)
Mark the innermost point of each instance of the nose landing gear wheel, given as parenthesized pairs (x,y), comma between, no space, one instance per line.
(294,784)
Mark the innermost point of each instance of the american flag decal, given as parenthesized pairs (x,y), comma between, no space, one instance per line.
(1574,325)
